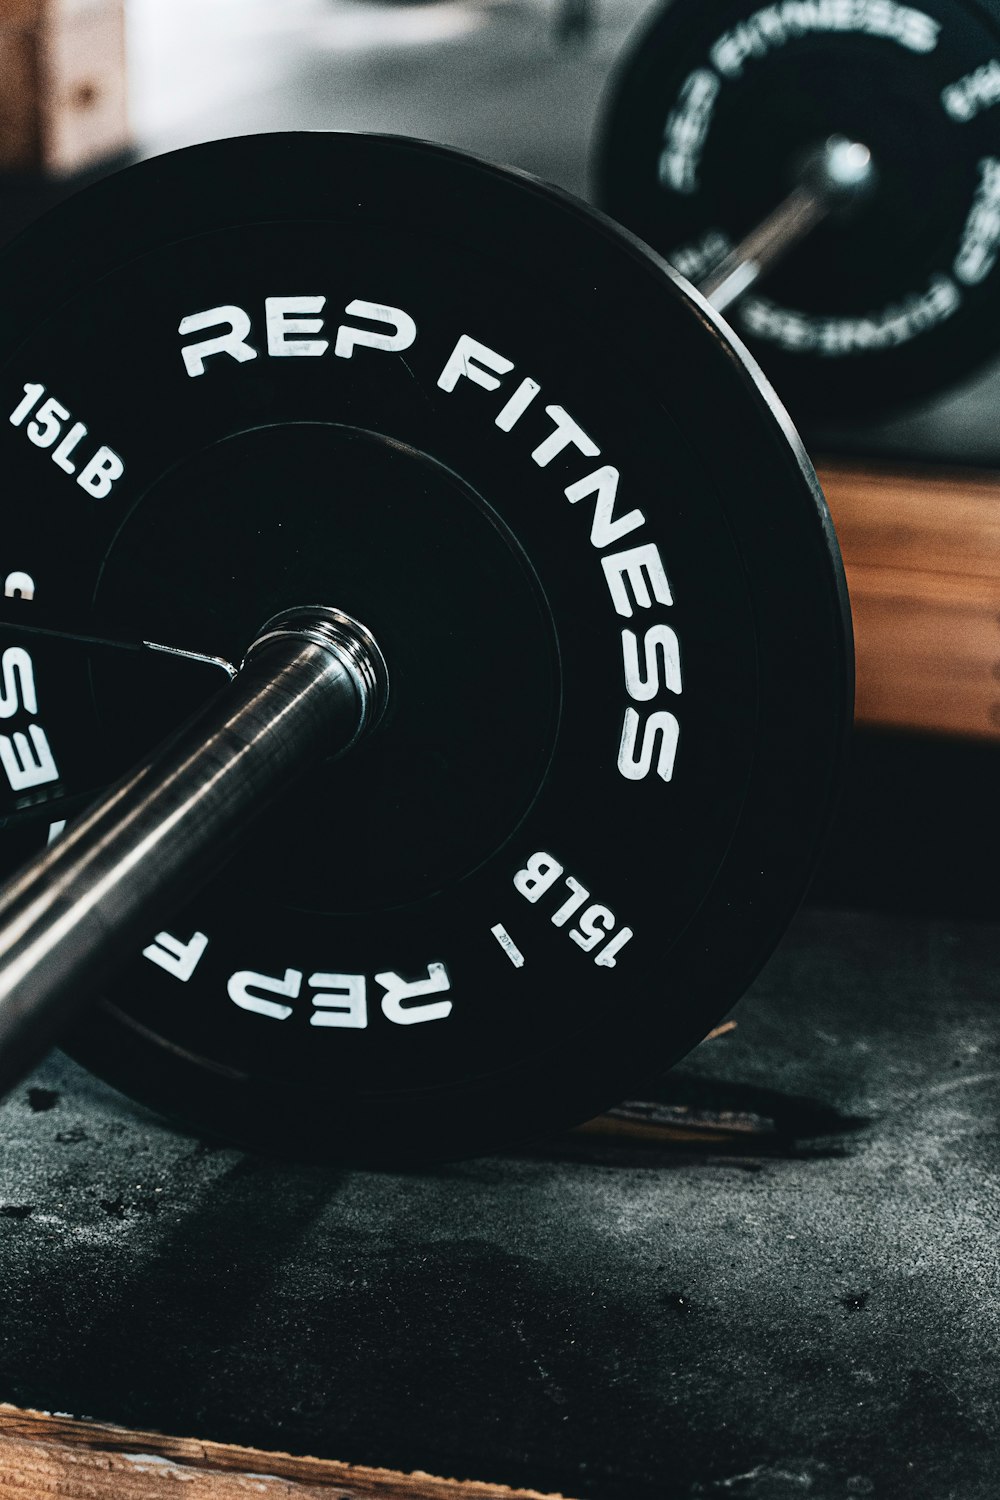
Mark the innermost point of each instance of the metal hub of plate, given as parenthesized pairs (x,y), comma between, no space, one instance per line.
(708,122)
(488,425)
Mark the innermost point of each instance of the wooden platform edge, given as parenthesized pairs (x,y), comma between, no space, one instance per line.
(43,1455)
(921,549)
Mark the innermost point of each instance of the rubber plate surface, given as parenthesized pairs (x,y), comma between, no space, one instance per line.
(514,439)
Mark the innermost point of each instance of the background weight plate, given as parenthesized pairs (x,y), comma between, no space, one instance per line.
(706,122)
(358,479)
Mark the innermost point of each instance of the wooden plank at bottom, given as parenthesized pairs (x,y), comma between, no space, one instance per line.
(43,1456)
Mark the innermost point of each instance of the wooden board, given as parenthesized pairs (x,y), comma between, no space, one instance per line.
(42,1456)
(63,101)
(922,555)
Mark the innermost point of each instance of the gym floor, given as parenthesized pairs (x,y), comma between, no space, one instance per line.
(803,1303)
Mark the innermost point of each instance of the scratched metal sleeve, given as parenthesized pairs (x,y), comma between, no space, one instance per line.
(83,904)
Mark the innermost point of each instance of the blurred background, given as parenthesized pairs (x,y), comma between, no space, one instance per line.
(519,81)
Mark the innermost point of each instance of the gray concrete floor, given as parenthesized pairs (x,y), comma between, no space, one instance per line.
(812,1314)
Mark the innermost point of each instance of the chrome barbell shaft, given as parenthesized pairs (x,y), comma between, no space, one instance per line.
(836,176)
(311,683)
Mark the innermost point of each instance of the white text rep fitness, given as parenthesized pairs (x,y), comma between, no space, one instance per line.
(635,575)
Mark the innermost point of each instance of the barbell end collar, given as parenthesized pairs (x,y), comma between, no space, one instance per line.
(841,171)
(351,642)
